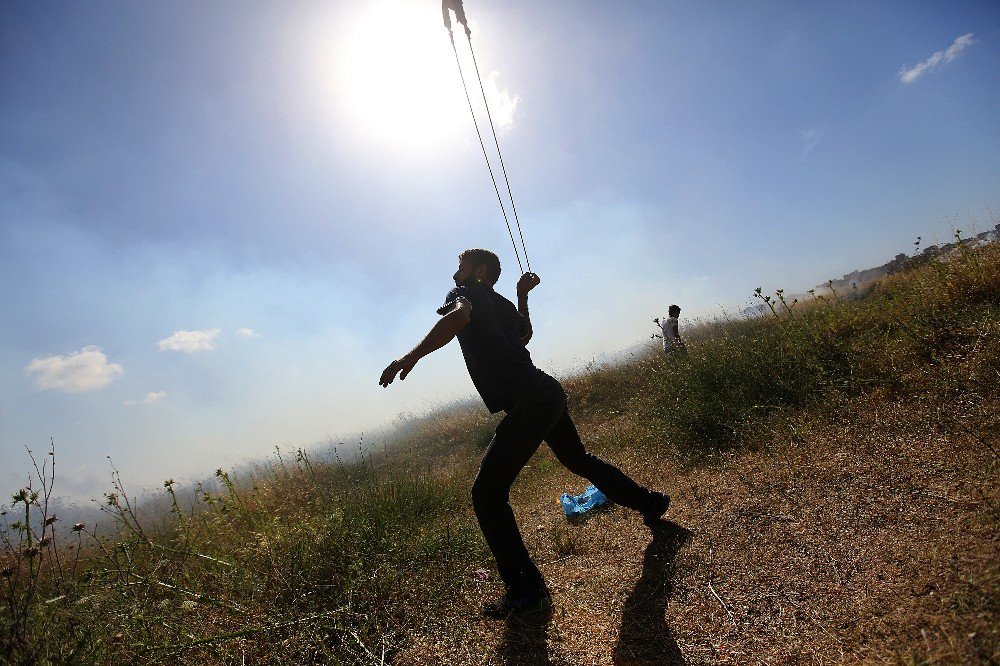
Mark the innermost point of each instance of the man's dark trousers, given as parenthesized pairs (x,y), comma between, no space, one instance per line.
(538,413)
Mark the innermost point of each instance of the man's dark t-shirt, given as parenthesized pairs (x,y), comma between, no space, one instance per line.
(498,361)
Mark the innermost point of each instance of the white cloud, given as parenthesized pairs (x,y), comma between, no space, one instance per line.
(911,74)
(248,333)
(76,372)
(190,341)
(811,138)
(502,105)
(148,399)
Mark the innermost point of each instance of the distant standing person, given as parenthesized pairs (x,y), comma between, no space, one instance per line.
(493,333)
(672,340)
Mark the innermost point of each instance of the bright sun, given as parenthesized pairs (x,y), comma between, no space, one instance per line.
(398,77)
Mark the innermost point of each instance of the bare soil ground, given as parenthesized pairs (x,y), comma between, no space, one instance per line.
(869,539)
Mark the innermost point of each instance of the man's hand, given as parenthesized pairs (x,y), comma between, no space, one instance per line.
(527,282)
(400,365)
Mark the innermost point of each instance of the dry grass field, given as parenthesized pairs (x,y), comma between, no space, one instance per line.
(833,469)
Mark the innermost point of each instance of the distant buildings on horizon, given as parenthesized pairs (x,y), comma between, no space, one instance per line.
(902,260)
(851,281)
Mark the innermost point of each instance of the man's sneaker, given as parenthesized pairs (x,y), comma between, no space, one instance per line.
(661,502)
(512,603)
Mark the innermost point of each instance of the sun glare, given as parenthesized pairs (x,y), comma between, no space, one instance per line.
(398,78)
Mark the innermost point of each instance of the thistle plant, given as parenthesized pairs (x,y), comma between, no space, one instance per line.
(29,557)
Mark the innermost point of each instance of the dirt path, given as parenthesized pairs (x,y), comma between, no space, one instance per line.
(871,541)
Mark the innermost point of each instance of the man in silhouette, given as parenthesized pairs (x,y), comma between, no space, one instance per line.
(493,333)
(672,341)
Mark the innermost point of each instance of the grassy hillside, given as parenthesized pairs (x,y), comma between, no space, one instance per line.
(834,472)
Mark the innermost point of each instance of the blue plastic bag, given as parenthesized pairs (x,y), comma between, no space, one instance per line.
(577,505)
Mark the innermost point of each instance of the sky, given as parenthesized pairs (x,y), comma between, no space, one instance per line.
(220,221)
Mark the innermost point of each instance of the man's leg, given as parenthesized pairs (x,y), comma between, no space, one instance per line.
(517,438)
(565,443)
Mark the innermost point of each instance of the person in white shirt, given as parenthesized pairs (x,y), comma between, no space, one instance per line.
(672,340)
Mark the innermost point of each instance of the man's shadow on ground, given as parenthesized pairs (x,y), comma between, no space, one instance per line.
(525,639)
(645,637)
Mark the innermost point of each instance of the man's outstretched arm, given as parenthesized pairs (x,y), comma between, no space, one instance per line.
(527,282)
(446,328)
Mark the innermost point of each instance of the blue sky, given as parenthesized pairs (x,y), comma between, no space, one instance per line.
(219,221)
